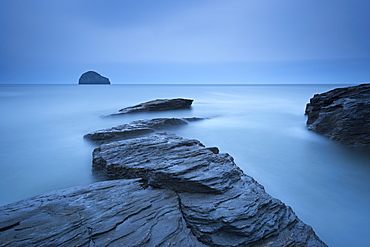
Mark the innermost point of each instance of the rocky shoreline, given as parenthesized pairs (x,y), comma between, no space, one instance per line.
(159,190)
(342,114)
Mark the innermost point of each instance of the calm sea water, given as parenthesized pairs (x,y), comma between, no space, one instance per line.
(261,126)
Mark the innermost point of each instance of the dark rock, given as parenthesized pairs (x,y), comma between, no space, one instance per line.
(92,77)
(197,198)
(111,213)
(342,114)
(167,161)
(137,128)
(220,204)
(214,150)
(157,105)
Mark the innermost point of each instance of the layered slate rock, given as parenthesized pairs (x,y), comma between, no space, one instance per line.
(137,128)
(110,213)
(220,204)
(342,114)
(92,77)
(157,105)
(172,192)
(167,161)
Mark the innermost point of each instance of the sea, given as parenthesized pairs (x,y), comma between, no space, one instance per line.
(262,126)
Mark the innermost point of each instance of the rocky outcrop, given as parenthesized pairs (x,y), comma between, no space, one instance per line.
(342,114)
(167,161)
(110,213)
(92,77)
(219,203)
(157,105)
(137,128)
(172,192)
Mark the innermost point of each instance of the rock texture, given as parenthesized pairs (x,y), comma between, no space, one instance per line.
(92,77)
(111,213)
(157,105)
(137,128)
(219,203)
(172,192)
(342,114)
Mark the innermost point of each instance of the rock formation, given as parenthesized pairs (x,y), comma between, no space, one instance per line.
(111,213)
(137,128)
(157,105)
(171,192)
(342,114)
(92,77)
(219,203)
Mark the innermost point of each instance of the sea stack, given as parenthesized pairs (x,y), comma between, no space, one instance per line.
(92,77)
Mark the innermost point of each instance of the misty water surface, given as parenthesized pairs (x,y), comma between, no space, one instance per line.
(261,126)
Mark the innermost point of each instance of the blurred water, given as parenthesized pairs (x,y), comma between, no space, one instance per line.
(261,126)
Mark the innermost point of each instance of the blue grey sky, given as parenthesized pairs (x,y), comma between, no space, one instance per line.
(192,41)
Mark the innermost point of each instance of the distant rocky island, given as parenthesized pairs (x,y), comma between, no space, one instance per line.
(92,77)
(342,114)
(156,189)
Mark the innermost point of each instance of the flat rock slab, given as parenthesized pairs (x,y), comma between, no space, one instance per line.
(172,192)
(342,115)
(167,161)
(220,204)
(137,128)
(110,213)
(157,105)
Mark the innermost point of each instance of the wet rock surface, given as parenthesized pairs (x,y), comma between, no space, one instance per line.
(171,192)
(342,115)
(92,77)
(167,161)
(110,213)
(220,204)
(157,105)
(163,190)
(137,128)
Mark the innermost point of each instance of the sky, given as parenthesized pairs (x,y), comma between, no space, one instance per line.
(192,41)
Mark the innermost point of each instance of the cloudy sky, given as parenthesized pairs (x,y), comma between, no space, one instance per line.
(192,41)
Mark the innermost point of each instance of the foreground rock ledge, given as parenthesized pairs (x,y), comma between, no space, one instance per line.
(172,192)
(157,105)
(342,115)
(220,204)
(111,213)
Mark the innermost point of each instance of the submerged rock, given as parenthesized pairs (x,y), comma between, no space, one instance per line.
(220,204)
(157,105)
(92,77)
(137,128)
(342,114)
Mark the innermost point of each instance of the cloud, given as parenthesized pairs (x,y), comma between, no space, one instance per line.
(85,32)
(234,32)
